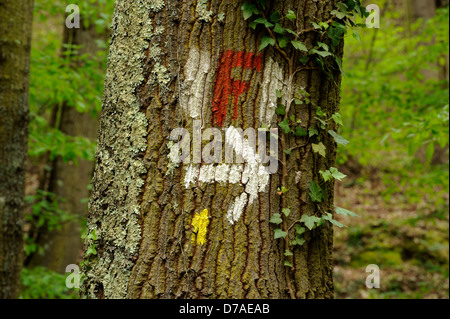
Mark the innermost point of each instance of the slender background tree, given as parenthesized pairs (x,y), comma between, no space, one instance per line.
(15,29)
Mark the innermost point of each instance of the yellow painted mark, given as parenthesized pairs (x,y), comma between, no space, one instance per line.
(200,223)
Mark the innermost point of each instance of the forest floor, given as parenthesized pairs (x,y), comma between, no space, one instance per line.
(409,242)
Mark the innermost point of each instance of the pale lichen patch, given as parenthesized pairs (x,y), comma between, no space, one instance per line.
(174,156)
(202,10)
(118,179)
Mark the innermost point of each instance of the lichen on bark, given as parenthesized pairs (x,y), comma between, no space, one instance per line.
(118,182)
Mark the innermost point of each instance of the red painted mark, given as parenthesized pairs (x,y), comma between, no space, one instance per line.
(226,86)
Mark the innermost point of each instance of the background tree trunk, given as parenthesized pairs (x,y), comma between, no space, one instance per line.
(426,9)
(66,179)
(15,30)
(168,62)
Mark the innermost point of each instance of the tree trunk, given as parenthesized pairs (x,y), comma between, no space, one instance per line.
(67,179)
(173,65)
(15,30)
(426,9)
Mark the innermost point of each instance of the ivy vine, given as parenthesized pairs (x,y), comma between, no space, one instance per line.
(283,33)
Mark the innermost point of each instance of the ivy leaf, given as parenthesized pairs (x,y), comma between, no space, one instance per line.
(299,45)
(91,251)
(286,212)
(339,63)
(284,189)
(280,110)
(329,218)
(304,59)
(291,15)
(315,25)
(335,34)
(339,139)
(279,94)
(283,42)
(262,3)
(336,174)
(276,219)
(275,17)
(326,175)
(92,235)
(288,264)
(315,192)
(278,233)
(319,148)
(299,240)
(299,229)
(279,29)
(312,132)
(338,14)
(337,119)
(265,41)
(284,125)
(253,25)
(309,221)
(288,151)
(300,131)
(249,9)
(292,32)
(355,34)
(344,212)
(264,21)
(319,112)
(323,46)
(324,25)
(287,253)
(323,54)
(342,6)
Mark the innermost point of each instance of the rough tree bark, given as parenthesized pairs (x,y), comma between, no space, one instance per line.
(170,63)
(67,180)
(15,30)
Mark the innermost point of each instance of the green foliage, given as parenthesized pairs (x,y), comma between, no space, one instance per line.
(68,79)
(332,173)
(396,103)
(344,212)
(45,139)
(319,148)
(60,77)
(310,221)
(45,213)
(276,219)
(338,139)
(91,238)
(278,233)
(41,283)
(284,125)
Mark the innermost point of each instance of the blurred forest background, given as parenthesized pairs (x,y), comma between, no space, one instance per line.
(396,115)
